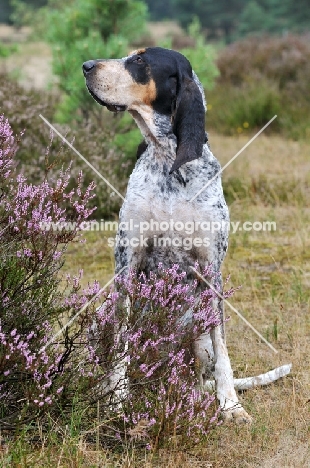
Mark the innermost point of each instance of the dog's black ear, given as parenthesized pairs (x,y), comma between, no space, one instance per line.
(189,122)
(141,148)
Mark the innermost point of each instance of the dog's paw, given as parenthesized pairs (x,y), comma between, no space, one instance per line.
(237,416)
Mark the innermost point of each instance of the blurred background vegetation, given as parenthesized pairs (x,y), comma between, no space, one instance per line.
(252,57)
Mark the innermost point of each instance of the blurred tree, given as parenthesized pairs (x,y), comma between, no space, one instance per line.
(270,16)
(235,18)
(220,16)
(253,18)
(225,15)
(186,10)
(5,11)
(23,12)
(299,14)
(161,10)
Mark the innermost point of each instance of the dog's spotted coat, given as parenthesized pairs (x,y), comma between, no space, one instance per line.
(159,89)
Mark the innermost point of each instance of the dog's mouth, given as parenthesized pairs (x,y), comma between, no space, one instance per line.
(110,107)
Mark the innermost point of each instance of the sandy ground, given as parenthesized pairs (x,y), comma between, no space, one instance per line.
(31,63)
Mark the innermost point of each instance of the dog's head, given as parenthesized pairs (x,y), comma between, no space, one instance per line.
(161,80)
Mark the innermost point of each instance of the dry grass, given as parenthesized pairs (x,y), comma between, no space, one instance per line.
(162,29)
(274,271)
(11,34)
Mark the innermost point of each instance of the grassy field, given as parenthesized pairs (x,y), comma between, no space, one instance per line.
(269,181)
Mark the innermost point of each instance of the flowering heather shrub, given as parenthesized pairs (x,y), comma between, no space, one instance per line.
(30,301)
(155,341)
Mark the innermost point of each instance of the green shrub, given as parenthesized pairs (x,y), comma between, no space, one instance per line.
(250,106)
(202,57)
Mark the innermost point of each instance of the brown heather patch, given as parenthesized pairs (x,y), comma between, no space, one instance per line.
(260,78)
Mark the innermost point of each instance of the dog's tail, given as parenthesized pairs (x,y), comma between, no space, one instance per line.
(258,381)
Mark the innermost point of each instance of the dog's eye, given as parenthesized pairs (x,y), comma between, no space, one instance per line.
(138,59)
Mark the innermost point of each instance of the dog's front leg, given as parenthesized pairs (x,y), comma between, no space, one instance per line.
(118,381)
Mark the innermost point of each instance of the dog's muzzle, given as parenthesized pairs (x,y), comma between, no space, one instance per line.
(88,67)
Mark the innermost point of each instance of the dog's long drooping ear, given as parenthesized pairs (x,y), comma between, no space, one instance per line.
(189,122)
(141,148)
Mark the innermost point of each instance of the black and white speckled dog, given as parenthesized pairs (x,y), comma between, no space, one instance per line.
(160,90)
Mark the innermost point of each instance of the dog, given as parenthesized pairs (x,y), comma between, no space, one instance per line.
(174,192)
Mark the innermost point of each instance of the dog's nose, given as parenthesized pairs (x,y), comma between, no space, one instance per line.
(88,66)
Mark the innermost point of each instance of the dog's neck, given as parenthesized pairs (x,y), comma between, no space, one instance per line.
(156,128)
